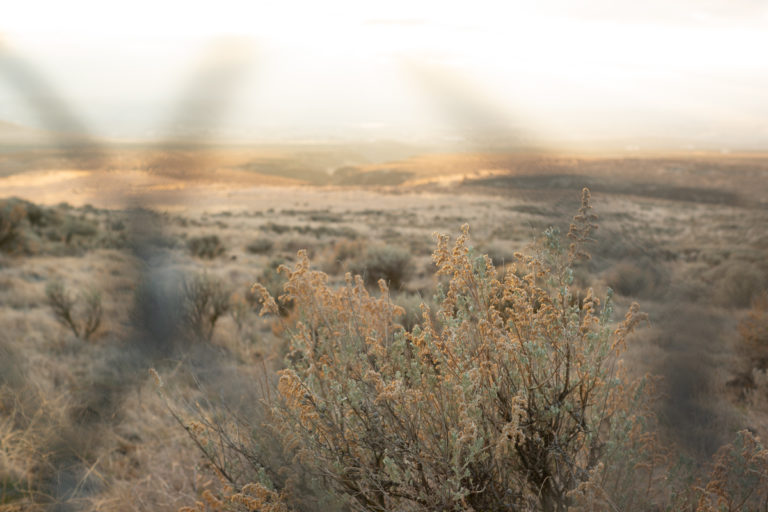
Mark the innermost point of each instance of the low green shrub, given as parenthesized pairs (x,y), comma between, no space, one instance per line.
(11,217)
(754,333)
(260,246)
(77,227)
(206,247)
(638,278)
(392,264)
(737,283)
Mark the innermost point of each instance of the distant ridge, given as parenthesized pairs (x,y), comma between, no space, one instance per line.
(16,134)
(8,127)
(12,135)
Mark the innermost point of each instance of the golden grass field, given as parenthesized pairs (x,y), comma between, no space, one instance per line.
(82,426)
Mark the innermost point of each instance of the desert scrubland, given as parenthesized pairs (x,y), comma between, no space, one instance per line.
(141,369)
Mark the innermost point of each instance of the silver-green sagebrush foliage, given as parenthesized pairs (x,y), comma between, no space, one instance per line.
(514,398)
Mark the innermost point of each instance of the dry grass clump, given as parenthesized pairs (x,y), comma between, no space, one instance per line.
(30,423)
(247,466)
(463,403)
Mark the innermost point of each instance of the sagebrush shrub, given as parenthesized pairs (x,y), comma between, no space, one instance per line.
(78,227)
(206,247)
(634,279)
(11,217)
(260,246)
(336,258)
(392,264)
(737,283)
(510,396)
(754,332)
(514,398)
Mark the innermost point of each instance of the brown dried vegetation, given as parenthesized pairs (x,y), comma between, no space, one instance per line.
(512,396)
(507,390)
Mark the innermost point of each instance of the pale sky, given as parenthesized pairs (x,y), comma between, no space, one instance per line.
(693,70)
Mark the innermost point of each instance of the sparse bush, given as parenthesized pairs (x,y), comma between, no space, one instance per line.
(736,283)
(28,228)
(260,246)
(321,231)
(37,215)
(754,332)
(634,278)
(205,300)
(337,257)
(75,227)
(499,254)
(82,315)
(392,264)
(11,217)
(326,217)
(292,244)
(278,229)
(206,247)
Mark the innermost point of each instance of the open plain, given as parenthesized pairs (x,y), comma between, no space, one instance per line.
(95,257)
